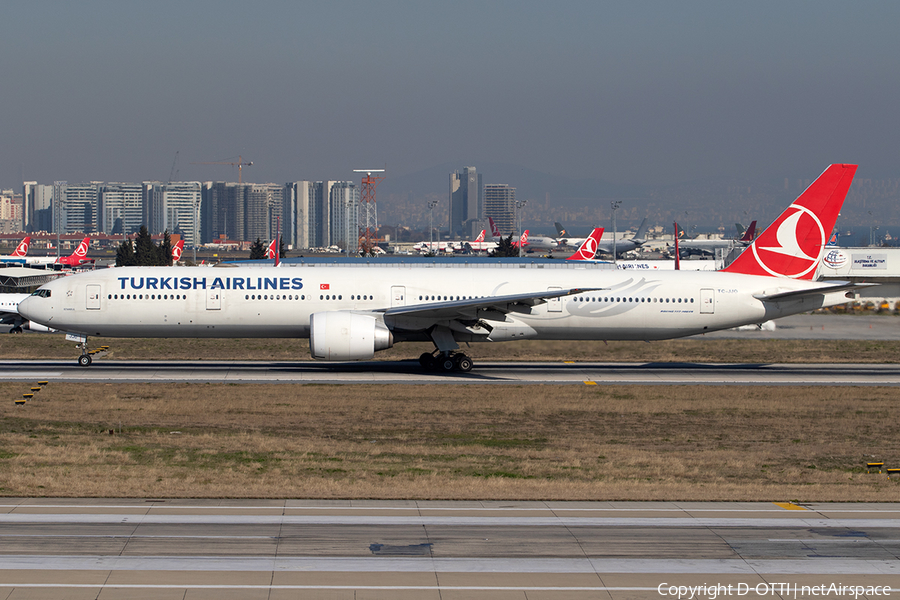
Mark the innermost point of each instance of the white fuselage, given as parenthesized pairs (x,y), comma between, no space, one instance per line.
(267,301)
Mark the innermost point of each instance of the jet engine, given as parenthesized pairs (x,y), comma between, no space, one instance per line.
(337,335)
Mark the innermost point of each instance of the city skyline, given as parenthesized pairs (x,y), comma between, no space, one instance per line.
(650,93)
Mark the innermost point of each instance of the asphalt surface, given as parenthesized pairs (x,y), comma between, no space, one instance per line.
(417,549)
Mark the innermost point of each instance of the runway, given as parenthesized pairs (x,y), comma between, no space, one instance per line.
(418,549)
(409,372)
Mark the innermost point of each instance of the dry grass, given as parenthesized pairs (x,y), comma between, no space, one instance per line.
(449,442)
(37,346)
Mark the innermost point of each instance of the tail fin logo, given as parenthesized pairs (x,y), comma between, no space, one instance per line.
(82,248)
(480,237)
(177,249)
(22,248)
(270,251)
(588,248)
(495,231)
(802,252)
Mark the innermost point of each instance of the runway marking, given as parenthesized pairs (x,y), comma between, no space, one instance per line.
(789,506)
(590,383)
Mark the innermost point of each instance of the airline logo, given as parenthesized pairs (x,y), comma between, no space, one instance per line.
(835,259)
(798,244)
(22,248)
(324,286)
(588,248)
(495,231)
(480,237)
(210,283)
(270,251)
(177,249)
(82,248)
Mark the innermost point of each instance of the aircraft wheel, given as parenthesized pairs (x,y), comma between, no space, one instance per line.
(84,360)
(447,364)
(427,361)
(464,363)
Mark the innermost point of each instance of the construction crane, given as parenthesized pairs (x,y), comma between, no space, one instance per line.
(240,163)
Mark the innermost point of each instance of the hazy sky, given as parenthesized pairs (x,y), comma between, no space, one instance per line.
(631,92)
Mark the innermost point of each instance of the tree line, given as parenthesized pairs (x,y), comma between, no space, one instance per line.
(142,252)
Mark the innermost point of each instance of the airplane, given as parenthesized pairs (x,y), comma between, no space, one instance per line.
(695,246)
(349,312)
(9,315)
(536,243)
(78,257)
(18,257)
(587,252)
(19,253)
(476,245)
(621,246)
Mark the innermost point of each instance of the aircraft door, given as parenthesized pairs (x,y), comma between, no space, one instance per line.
(93,297)
(554,304)
(398,295)
(214,299)
(707,301)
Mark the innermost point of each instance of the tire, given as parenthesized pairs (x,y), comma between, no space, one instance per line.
(84,360)
(447,364)
(464,363)
(427,361)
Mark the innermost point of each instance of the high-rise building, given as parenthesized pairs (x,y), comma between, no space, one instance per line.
(122,207)
(37,207)
(466,208)
(500,205)
(344,211)
(76,207)
(181,210)
(11,213)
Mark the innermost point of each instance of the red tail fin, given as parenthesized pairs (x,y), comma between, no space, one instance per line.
(270,251)
(81,250)
(793,245)
(22,248)
(480,237)
(177,250)
(495,231)
(588,248)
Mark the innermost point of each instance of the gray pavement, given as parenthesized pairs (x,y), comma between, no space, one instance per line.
(61,548)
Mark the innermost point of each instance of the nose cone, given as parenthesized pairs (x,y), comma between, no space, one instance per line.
(33,309)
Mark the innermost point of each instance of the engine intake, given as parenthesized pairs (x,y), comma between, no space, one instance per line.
(338,335)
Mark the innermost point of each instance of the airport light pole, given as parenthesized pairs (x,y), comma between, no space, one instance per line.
(520,204)
(615,204)
(431,206)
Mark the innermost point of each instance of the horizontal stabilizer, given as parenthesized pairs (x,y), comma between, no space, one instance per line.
(837,286)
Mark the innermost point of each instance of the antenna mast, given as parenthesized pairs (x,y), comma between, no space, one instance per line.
(368,223)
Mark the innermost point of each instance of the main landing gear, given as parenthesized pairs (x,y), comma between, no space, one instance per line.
(446,362)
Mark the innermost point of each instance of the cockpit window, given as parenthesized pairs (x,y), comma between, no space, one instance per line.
(42,293)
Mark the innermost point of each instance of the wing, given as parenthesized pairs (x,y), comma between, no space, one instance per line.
(469,308)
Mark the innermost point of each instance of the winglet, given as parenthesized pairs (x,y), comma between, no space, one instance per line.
(794,244)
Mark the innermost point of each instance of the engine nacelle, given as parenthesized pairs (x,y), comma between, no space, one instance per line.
(338,335)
